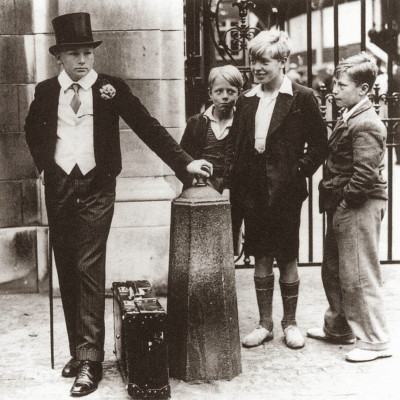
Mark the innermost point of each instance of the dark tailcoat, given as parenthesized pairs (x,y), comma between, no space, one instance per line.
(41,127)
(80,209)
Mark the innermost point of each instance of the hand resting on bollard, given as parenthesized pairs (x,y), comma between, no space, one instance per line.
(200,167)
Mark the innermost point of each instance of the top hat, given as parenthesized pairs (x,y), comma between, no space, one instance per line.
(72,30)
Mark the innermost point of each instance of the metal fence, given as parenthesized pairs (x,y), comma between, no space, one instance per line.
(203,35)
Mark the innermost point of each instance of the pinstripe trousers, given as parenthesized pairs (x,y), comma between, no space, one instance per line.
(80,210)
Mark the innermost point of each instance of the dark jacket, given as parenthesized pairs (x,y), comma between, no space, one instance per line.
(296,121)
(41,127)
(194,140)
(354,166)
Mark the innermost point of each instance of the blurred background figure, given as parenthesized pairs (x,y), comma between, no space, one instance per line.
(293,74)
(382,78)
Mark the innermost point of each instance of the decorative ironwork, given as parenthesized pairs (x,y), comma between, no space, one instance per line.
(233,41)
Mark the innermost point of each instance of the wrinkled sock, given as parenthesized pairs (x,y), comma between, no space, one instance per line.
(264,292)
(289,292)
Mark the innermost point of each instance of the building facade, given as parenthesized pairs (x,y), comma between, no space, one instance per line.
(143,42)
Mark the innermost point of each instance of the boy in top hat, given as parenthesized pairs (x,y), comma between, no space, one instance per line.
(353,195)
(72,130)
(273,123)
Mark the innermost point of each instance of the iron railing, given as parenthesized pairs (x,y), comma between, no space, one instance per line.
(213,37)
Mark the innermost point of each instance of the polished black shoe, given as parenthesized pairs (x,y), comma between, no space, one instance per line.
(71,368)
(88,377)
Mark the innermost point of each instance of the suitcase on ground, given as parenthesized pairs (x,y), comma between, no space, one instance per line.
(140,340)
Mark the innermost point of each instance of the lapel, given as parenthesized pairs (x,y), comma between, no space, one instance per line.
(97,107)
(201,128)
(339,127)
(53,96)
(342,125)
(282,107)
(250,111)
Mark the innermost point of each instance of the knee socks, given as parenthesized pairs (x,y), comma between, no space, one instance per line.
(264,292)
(289,292)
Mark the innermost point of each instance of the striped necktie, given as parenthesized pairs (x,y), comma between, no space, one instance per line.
(75,102)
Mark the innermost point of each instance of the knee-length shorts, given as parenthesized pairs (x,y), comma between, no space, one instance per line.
(272,230)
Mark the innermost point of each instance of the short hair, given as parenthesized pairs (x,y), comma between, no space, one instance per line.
(275,43)
(229,72)
(361,68)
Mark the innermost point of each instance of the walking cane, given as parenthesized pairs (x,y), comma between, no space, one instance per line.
(50,266)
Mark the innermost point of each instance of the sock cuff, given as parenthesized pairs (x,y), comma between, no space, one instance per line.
(264,282)
(289,288)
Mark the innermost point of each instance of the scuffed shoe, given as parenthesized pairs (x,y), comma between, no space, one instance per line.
(71,368)
(293,337)
(361,355)
(257,337)
(319,334)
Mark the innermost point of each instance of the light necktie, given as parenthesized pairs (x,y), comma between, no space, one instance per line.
(75,102)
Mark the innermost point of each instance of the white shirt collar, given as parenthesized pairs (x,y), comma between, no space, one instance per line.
(348,113)
(209,113)
(86,82)
(220,133)
(286,87)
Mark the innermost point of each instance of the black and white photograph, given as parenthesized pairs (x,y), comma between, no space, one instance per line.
(199,199)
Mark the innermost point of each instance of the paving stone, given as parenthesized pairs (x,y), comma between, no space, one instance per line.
(272,371)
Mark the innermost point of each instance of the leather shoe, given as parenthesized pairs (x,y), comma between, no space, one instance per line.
(71,368)
(319,334)
(88,377)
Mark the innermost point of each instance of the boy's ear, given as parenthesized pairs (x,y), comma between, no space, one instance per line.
(365,88)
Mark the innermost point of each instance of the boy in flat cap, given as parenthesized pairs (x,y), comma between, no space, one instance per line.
(72,130)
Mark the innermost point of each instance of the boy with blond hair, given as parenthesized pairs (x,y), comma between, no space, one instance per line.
(273,123)
(207,134)
(353,194)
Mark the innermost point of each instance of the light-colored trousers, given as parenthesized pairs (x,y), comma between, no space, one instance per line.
(352,277)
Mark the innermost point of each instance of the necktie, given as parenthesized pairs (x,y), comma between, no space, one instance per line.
(75,102)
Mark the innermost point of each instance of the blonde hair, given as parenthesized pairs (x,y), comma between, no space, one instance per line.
(229,72)
(361,68)
(275,43)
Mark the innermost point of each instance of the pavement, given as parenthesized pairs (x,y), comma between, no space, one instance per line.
(271,371)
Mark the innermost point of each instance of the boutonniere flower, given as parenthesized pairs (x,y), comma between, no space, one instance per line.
(107,91)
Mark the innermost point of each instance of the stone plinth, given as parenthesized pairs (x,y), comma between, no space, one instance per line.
(203,332)
(23,259)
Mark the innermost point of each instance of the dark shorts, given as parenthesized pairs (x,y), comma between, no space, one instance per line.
(272,231)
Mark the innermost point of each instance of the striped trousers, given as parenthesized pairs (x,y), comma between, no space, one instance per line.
(80,210)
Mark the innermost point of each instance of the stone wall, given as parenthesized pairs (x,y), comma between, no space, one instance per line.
(142,43)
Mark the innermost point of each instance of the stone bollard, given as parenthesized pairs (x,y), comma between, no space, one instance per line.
(203,330)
